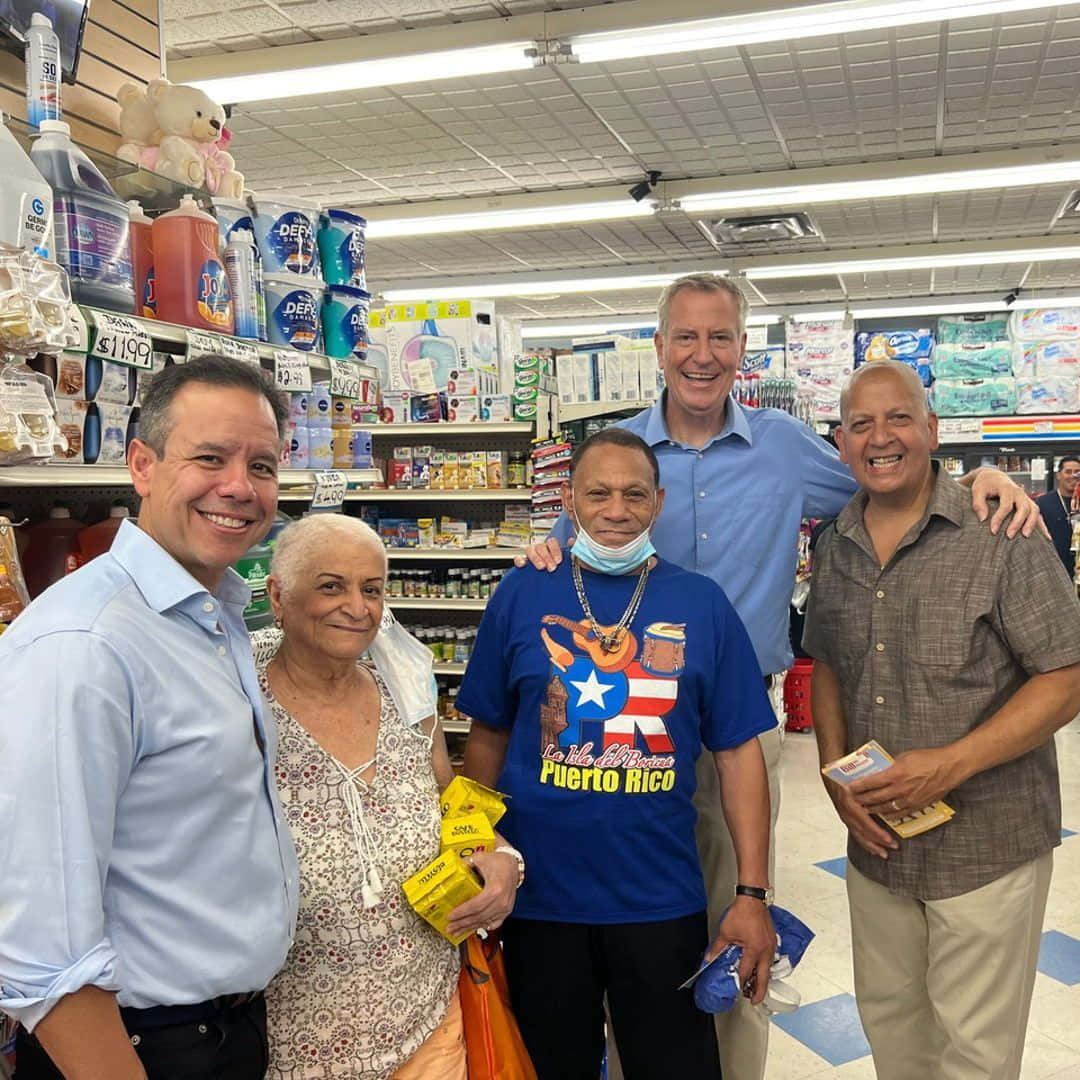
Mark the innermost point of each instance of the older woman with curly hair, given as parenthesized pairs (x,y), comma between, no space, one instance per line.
(369,989)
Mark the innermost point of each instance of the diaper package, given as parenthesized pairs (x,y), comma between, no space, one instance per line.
(982,361)
(974,397)
(1045,358)
(912,347)
(972,329)
(1049,394)
(1044,324)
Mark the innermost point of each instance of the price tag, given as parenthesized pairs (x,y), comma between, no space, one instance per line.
(121,339)
(330,490)
(344,379)
(1044,427)
(291,371)
(200,343)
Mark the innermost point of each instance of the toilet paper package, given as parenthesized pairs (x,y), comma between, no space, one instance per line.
(803,354)
(972,329)
(974,397)
(1050,394)
(1046,358)
(911,347)
(982,361)
(768,362)
(1044,324)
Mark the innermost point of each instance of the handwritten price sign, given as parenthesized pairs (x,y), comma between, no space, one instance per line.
(330,488)
(121,340)
(200,343)
(344,379)
(291,371)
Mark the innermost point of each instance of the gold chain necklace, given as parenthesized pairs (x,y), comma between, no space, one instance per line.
(610,642)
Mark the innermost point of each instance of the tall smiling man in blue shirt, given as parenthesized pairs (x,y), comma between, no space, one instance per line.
(739,482)
(150,883)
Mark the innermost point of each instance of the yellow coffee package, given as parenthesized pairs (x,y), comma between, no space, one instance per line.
(467,834)
(464,796)
(441,886)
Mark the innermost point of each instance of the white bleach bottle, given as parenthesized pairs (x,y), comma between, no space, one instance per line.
(42,71)
(26,200)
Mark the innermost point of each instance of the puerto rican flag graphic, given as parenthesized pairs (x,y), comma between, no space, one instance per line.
(649,697)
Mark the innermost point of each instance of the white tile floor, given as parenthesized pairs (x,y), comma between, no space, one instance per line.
(809,832)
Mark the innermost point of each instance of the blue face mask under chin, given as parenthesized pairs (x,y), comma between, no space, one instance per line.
(608,560)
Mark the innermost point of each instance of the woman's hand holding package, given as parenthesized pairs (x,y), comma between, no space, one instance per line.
(487,911)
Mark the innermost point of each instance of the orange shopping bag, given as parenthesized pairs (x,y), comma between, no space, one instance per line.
(493,1043)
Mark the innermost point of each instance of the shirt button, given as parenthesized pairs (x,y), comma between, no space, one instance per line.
(880,647)
(221,650)
(879,700)
(699,453)
(881,594)
(704,536)
(701,494)
(208,607)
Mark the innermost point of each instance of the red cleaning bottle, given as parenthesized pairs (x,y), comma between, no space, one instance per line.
(51,550)
(140,236)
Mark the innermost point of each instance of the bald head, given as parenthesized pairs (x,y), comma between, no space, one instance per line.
(909,386)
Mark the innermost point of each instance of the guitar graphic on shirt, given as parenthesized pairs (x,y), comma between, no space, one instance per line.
(587,638)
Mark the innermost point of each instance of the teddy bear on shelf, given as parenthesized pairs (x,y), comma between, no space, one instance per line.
(179,132)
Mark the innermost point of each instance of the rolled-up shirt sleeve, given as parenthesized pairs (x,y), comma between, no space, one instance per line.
(67,744)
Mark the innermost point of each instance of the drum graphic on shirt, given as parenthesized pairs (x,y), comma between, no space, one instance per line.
(664,651)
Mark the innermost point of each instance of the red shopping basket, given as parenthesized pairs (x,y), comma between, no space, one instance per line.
(797,697)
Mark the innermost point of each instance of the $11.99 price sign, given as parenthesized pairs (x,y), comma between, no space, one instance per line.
(344,379)
(121,340)
(291,371)
(330,490)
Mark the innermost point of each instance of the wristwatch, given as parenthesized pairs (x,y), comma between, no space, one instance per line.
(506,849)
(764,895)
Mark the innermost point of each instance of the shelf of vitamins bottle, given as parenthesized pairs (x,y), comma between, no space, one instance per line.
(448,669)
(432,495)
(445,428)
(435,603)
(456,555)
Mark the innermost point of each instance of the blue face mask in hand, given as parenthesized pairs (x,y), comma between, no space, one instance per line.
(612,560)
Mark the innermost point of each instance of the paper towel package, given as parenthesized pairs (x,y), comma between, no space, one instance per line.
(972,329)
(982,361)
(1046,358)
(1048,394)
(769,362)
(1044,324)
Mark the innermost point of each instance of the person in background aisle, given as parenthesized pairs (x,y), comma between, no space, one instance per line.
(591,693)
(739,481)
(960,654)
(370,989)
(1056,506)
(150,882)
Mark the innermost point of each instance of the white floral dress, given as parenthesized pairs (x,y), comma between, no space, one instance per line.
(361,989)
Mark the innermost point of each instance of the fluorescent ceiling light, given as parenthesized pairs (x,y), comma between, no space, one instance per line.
(917,311)
(392,71)
(646,322)
(894,187)
(508,219)
(912,262)
(495,289)
(790,23)
(829,315)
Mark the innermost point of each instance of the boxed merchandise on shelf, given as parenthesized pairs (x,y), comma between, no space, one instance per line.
(426,342)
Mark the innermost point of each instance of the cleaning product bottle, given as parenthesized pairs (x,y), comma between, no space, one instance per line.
(96,539)
(142,260)
(50,546)
(42,71)
(26,201)
(195,292)
(240,266)
(90,222)
(253,567)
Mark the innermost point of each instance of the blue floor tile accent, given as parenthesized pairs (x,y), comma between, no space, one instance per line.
(830,1028)
(834,866)
(1066,833)
(1059,957)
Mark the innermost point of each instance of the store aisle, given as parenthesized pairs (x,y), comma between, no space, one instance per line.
(823,1040)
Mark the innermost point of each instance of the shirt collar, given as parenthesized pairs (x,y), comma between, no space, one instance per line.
(948,500)
(163,582)
(736,422)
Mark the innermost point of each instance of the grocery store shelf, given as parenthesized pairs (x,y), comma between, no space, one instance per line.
(436,603)
(57,475)
(586,409)
(456,727)
(431,495)
(508,428)
(456,555)
(449,669)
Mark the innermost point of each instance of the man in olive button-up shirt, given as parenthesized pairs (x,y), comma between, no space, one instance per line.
(959,652)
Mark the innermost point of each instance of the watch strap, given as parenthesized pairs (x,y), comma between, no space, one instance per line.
(764,895)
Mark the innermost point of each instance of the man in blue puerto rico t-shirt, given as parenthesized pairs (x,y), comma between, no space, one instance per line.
(592,690)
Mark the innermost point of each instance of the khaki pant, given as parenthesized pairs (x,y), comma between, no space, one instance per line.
(944,986)
(743,1033)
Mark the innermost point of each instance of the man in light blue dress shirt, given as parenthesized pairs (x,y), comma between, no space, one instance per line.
(150,883)
(739,481)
